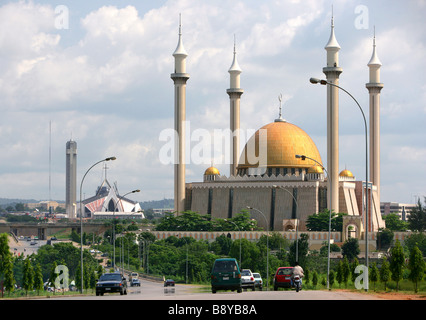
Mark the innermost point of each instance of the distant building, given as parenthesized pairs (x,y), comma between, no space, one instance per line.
(108,202)
(71,179)
(403,210)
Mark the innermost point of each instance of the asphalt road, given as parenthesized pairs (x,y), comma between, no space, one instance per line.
(150,290)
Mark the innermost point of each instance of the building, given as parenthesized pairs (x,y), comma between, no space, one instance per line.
(403,210)
(279,174)
(107,202)
(71,179)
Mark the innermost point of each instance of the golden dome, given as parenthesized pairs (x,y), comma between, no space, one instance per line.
(211,171)
(283,142)
(346,173)
(315,169)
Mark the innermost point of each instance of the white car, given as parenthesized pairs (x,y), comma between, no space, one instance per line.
(258,282)
(247,279)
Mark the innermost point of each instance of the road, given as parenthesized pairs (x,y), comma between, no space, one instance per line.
(150,290)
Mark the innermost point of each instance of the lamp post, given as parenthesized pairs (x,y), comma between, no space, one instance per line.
(267,246)
(297,222)
(303,157)
(240,235)
(324,82)
(81,217)
(186,268)
(113,221)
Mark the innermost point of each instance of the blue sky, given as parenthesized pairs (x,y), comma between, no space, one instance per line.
(105,81)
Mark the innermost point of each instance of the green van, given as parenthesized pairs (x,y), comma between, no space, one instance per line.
(226,275)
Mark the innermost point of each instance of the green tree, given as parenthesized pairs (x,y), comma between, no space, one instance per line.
(331,278)
(354,264)
(339,273)
(417,217)
(53,276)
(28,278)
(397,263)
(373,274)
(4,252)
(9,279)
(416,265)
(346,271)
(385,272)
(38,278)
(303,247)
(384,238)
(350,249)
(314,278)
(394,223)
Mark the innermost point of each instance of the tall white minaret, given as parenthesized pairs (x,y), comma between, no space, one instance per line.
(179,78)
(332,72)
(374,87)
(235,93)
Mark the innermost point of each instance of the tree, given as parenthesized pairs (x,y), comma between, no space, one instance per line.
(315,278)
(384,238)
(394,223)
(339,273)
(4,251)
(303,247)
(321,221)
(9,279)
(331,278)
(350,249)
(38,278)
(345,271)
(53,276)
(373,274)
(354,264)
(416,265)
(417,217)
(397,263)
(28,278)
(385,272)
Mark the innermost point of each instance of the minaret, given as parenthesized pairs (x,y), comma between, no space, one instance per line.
(332,72)
(374,86)
(71,179)
(179,78)
(235,93)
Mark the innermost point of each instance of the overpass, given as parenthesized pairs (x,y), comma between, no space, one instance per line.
(44,230)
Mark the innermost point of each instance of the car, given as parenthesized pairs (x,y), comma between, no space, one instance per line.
(111,282)
(226,275)
(247,279)
(135,282)
(169,283)
(258,282)
(282,277)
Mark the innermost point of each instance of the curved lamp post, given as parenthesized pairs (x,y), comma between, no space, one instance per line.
(267,246)
(113,229)
(303,157)
(297,222)
(324,82)
(81,216)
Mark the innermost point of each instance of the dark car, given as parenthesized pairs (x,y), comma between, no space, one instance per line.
(282,278)
(226,275)
(169,283)
(111,282)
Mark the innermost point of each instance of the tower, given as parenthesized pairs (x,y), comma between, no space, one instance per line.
(332,72)
(179,78)
(234,93)
(374,87)
(71,179)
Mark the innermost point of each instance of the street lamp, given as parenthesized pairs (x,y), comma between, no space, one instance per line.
(297,222)
(267,246)
(81,216)
(303,157)
(324,82)
(113,221)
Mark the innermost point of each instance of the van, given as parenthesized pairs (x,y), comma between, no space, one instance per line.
(226,275)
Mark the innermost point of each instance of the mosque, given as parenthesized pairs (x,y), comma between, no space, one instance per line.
(288,182)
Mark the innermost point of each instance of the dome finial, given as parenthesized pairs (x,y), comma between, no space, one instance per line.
(280,119)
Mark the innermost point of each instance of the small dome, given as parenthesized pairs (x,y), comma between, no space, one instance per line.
(211,171)
(346,173)
(315,169)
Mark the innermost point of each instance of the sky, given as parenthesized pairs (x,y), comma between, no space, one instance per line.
(98,72)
